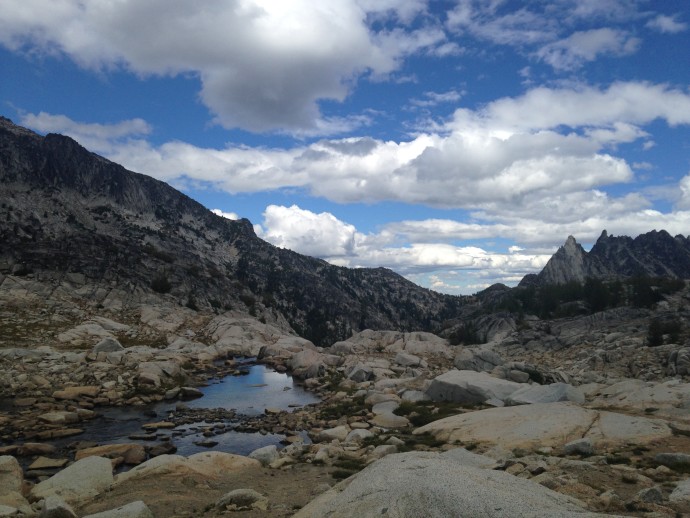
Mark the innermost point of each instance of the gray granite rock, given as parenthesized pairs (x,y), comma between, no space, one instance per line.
(80,482)
(136,509)
(465,386)
(437,486)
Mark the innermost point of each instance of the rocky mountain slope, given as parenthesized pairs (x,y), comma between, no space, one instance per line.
(654,254)
(77,226)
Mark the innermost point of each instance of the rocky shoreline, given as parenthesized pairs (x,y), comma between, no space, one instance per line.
(583,440)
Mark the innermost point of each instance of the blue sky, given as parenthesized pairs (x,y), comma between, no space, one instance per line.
(456,142)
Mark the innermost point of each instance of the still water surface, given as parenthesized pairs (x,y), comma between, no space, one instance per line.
(249,394)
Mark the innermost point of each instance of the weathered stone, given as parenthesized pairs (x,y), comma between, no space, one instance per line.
(6,510)
(546,424)
(80,482)
(210,464)
(190,393)
(409,360)
(108,345)
(360,373)
(161,425)
(553,393)
(676,461)
(56,507)
(47,463)
(136,509)
(479,360)
(15,500)
(339,433)
(389,420)
(36,448)
(265,455)
(382,450)
(59,417)
(358,436)
(579,447)
(131,453)
(470,387)
(11,475)
(56,434)
(679,362)
(438,486)
(681,494)
(76,392)
(307,364)
(650,495)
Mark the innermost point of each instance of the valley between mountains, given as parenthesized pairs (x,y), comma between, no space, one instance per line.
(568,395)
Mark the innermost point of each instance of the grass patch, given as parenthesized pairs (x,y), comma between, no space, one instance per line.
(336,410)
(350,464)
(341,474)
(424,412)
(424,440)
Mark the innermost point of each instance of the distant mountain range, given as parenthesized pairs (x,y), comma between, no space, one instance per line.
(72,219)
(67,213)
(654,254)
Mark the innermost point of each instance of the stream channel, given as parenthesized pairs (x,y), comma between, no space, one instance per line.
(248,395)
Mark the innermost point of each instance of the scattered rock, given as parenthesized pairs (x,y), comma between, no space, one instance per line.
(11,475)
(136,509)
(78,483)
(681,495)
(582,447)
(650,495)
(530,394)
(56,507)
(47,463)
(265,455)
(675,461)
(131,453)
(479,360)
(466,386)
(108,345)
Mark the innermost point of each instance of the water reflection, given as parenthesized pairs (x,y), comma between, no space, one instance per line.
(248,394)
(252,393)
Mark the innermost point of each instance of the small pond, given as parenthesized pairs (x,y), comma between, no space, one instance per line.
(248,394)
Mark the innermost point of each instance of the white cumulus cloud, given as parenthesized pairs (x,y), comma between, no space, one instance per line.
(263,65)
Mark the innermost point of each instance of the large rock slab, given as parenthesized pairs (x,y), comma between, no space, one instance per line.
(479,360)
(546,424)
(471,387)
(265,455)
(11,475)
(210,464)
(668,398)
(307,364)
(131,453)
(136,509)
(78,483)
(56,507)
(530,394)
(437,485)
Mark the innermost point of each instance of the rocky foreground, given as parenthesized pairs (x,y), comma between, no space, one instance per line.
(577,419)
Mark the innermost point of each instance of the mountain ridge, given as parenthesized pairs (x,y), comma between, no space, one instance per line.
(653,254)
(69,211)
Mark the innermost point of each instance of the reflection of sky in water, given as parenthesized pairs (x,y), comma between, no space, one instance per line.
(252,393)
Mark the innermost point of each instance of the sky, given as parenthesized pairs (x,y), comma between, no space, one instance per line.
(458,142)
